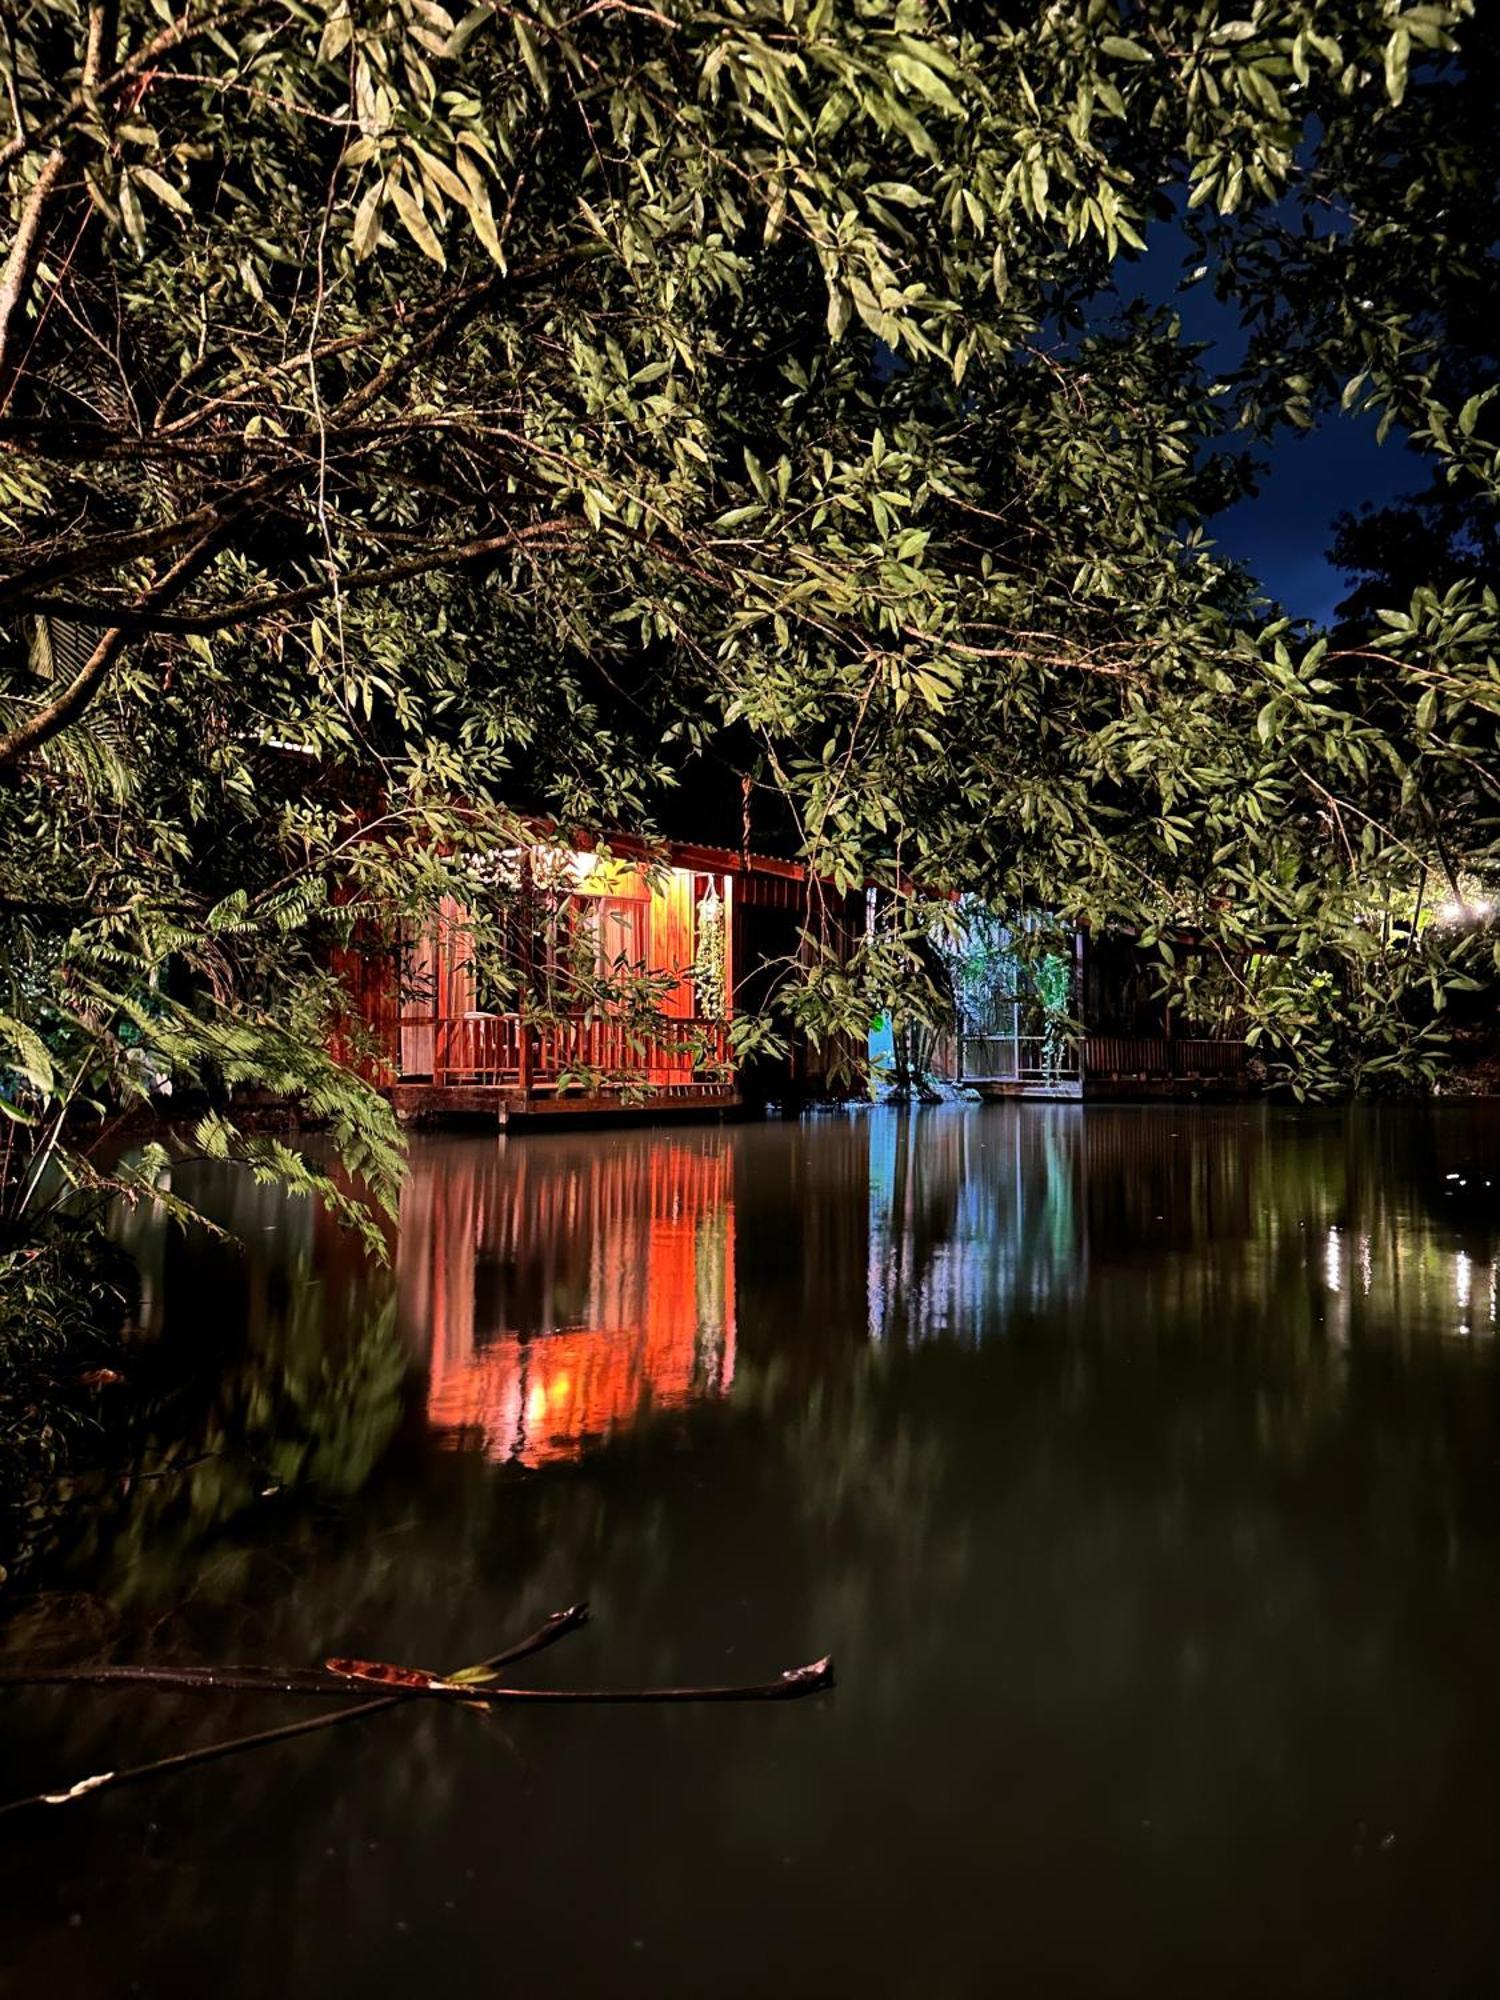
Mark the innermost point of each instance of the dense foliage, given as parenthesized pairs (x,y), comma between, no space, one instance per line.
(419,420)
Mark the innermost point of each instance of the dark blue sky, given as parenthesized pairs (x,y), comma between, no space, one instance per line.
(1283,533)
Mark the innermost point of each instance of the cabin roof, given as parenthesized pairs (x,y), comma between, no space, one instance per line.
(690,854)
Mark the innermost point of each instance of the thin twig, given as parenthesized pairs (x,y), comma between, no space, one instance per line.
(795,1681)
(432,559)
(190,28)
(556,1627)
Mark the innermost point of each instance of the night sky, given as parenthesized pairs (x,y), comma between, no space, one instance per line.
(1283,533)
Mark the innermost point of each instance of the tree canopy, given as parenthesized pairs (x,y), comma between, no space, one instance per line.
(416,420)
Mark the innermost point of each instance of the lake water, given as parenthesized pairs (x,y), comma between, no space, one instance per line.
(1140,1467)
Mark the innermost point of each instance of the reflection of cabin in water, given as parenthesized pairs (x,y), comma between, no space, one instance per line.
(698,934)
(1093,1025)
(566,1295)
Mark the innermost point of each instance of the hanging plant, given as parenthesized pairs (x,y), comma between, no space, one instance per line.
(710,965)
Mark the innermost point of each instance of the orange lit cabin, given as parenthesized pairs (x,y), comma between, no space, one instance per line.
(707,931)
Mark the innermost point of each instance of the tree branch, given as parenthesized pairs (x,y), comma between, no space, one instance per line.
(18,590)
(45,723)
(242,610)
(556,1627)
(20,265)
(189,29)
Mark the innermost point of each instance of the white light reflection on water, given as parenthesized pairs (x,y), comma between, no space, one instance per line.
(1333,1275)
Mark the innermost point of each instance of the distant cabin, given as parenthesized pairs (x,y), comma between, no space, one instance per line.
(1092,1022)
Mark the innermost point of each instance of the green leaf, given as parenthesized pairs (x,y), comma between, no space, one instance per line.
(162,189)
(130,213)
(1397,60)
(416,225)
(468,28)
(440,176)
(531,55)
(1123,49)
(366,230)
(925,81)
(30,1057)
(1469,415)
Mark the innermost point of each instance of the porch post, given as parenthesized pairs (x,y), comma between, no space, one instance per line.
(731,917)
(523,1025)
(1080,998)
(443,999)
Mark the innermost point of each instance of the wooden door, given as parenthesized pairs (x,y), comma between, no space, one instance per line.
(671,951)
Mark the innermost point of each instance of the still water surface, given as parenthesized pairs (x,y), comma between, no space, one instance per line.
(1141,1467)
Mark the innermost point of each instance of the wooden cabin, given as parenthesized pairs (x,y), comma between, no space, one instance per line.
(589,980)
(1111,1034)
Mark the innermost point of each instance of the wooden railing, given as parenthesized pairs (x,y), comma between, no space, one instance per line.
(1154,1055)
(478,1048)
(571,1052)
(1197,1057)
(1019,1058)
(1038,1059)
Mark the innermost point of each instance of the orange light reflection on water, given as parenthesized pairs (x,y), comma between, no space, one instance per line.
(566,1301)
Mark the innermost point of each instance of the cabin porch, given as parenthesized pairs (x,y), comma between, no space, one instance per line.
(594,983)
(1096,1024)
(529,1004)
(1002,1067)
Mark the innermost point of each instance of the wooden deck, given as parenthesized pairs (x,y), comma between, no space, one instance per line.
(502,1106)
(1035,1090)
(1116,1066)
(503,1070)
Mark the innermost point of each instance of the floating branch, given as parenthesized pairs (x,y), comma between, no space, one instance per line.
(556,1627)
(469,1687)
(312,1681)
(791,1685)
(343,1678)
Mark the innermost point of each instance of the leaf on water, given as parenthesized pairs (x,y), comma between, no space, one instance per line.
(474,1676)
(384,1674)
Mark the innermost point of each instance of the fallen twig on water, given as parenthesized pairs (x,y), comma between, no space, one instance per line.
(316,1682)
(469,1687)
(345,1677)
(556,1627)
